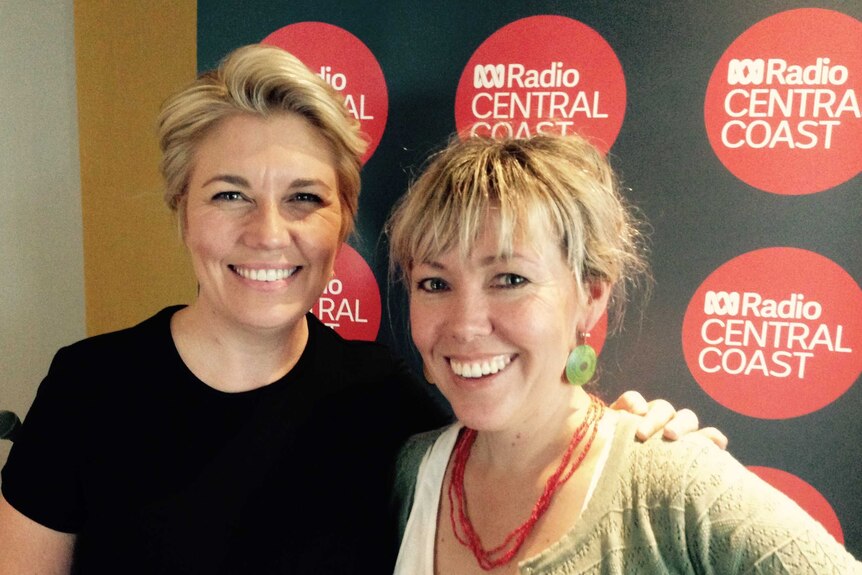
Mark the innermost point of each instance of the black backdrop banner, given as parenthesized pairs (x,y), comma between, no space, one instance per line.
(735,128)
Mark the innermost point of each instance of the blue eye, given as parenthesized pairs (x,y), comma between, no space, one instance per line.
(509,280)
(232,196)
(306,197)
(432,285)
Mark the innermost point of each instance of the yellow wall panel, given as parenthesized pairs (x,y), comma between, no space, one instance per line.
(130,56)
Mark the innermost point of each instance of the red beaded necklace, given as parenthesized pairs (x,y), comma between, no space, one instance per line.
(463,527)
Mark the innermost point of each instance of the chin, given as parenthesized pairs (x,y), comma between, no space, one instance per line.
(272,319)
(479,419)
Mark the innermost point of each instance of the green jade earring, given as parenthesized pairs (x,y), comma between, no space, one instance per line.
(581,363)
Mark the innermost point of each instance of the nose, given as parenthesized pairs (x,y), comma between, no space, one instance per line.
(469,315)
(267,228)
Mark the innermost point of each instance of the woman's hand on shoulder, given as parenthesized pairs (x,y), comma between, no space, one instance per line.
(659,416)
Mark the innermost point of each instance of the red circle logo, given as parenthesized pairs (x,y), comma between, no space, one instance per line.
(350,304)
(805,496)
(775,333)
(346,64)
(570,80)
(782,108)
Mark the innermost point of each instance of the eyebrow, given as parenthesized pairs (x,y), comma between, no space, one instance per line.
(228,179)
(485,261)
(243,183)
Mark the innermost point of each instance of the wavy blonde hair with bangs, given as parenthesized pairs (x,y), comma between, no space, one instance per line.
(558,185)
(263,81)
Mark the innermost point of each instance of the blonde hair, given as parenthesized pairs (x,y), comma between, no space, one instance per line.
(263,81)
(561,184)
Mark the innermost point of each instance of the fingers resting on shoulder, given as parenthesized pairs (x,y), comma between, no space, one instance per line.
(659,416)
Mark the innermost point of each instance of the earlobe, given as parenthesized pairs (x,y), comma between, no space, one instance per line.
(581,362)
(598,294)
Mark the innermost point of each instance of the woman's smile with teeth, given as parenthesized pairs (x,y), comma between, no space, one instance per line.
(481,368)
(264,275)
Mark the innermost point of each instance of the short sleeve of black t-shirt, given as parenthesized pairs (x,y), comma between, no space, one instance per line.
(41,477)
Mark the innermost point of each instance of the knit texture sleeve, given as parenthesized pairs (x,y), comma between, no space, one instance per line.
(738,523)
(724,518)
(688,507)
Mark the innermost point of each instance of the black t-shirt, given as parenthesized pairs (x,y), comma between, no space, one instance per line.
(159,473)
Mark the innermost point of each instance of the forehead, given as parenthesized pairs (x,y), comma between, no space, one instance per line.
(284,135)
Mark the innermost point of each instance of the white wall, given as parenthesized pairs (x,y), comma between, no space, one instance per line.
(41,254)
